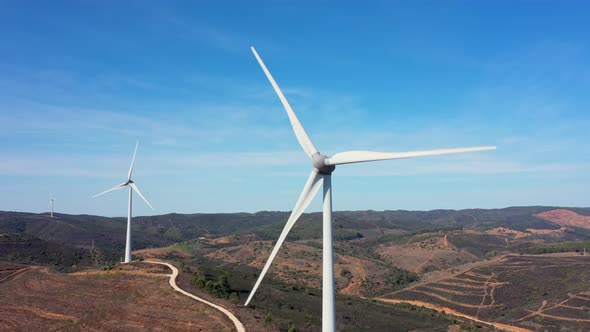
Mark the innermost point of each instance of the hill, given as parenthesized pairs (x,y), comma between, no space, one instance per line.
(130,299)
(27,249)
(412,235)
(566,218)
(547,292)
(377,254)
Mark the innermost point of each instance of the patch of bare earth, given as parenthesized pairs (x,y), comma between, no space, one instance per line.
(565,218)
(356,267)
(547,231)
(431,254)
(118,300)
(238,238)
(504,231)
(301,264)
(161,252)
(294,262)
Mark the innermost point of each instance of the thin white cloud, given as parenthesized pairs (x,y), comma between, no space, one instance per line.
(291,161)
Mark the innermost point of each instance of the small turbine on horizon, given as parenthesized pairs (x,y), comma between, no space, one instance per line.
(321,173)
(51,200)
(132,187)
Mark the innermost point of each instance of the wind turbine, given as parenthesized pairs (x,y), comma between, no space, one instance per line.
(321,173)
(51,200)
(132,187)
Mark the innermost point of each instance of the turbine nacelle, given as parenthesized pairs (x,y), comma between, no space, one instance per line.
(319,163)
(129,182)
(323,166)
(132,187)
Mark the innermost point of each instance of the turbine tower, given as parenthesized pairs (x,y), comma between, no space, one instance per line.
(132,187)
(51,200)
(321,173)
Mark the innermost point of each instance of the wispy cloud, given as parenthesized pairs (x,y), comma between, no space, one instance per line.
(286,163)
(201,30)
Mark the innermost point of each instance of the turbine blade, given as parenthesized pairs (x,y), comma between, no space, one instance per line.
(300,133)
(132,161)
(113,188)
(134,186)
(350,157)
(309,191)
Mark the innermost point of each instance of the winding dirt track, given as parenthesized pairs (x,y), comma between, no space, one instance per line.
(231,316)
(504,327)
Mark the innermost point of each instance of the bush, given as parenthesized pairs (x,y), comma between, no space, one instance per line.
(401,277)
(234,298)
(346,273)
(223,281)
(185,268)
(200,282)
(553,248)
(267,319)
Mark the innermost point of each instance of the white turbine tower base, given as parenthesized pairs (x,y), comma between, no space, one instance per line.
(323,166)
(132,187)
(51,202)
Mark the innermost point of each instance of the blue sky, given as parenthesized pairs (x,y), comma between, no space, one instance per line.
(82,81)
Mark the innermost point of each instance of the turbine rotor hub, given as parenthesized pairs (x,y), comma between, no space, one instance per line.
(319,163)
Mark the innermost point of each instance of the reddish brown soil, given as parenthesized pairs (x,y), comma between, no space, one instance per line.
(161,252)
(241,238)
(568,309)
(503,327)
(566,218)
(507,232)
(301,264)
(357,267)
(431,254)
(546,231)
(32,299)
(473,294)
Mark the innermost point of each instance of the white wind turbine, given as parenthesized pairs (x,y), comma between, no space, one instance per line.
(323,166)
(51,200)
(132,187)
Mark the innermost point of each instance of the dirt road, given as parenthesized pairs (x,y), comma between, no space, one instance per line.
(234,319)
(503,327)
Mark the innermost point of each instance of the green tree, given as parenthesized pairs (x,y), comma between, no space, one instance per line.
(234,298)
(401,277)
(267,319)
(194,277)
(173,233)
(224,282)
(200,282)
(185,268)
(214,288)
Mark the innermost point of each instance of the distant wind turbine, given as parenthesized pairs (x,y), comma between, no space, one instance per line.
(132,187)
(323,166)
(51,200)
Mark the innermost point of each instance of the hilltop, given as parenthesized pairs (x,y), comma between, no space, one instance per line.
(417,241)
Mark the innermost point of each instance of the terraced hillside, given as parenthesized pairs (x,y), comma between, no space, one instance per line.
(529,291)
